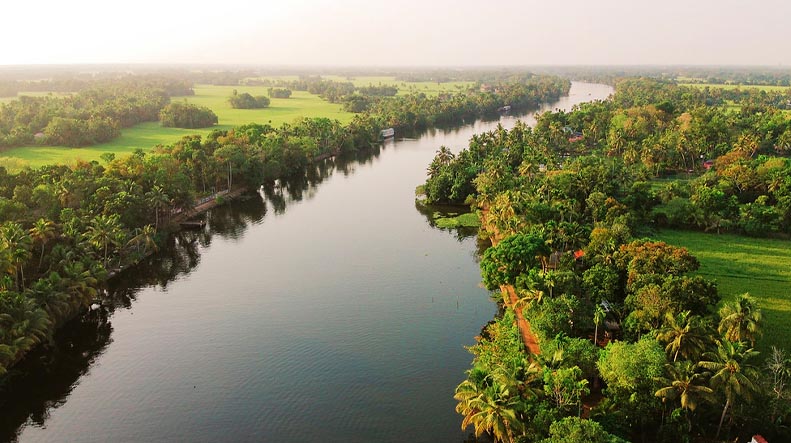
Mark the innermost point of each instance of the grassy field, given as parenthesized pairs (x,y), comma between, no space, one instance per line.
(761,87)
(147,135)
(761,267)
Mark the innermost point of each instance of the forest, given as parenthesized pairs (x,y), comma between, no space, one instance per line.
(618,338)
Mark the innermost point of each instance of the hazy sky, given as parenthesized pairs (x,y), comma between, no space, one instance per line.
(397,32)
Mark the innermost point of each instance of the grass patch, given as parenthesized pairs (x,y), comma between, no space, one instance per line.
(453,221)
(759,266)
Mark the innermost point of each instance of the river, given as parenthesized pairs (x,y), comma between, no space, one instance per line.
(326,310)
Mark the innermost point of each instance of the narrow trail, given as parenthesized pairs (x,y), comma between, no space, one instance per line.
(509,295)
(528,338)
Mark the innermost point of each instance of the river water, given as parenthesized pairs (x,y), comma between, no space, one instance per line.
(327,310)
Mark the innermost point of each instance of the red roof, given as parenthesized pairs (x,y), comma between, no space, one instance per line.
(758,439)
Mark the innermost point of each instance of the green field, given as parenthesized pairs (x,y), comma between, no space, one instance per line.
(428,88)
(761,87)
(147,135)
(761,267)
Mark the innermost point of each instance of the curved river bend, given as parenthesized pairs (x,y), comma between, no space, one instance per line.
(328,311)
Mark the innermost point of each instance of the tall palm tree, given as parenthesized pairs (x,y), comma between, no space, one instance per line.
(42,232)
(103,232)
(599,314)
(159,200)
(18,243)
(687,385)
(740,319)
(682,335)
(732,374)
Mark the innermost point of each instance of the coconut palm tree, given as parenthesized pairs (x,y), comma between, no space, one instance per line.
(687,386)
(732,374)
(682,335)
(491,406)
(145,237)
(42,232)
(599,314)
(740,319)
(103,232)
(159,200)
(18,243)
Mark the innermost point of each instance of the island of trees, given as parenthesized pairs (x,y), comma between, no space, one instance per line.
(247,101)
(606,334)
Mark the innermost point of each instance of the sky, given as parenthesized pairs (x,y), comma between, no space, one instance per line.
(398,32)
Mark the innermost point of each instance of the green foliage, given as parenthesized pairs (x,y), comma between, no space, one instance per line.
(631,371)
(554,316)
(500,346)
(515,255)
(579,430)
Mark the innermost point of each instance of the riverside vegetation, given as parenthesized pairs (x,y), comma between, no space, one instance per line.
(635,344)
(64,229)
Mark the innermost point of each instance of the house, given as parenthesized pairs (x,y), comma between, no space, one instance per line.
(758,439)
(708,164)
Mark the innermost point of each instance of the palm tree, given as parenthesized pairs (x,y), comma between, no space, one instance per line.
(17,242)
(686,385)
(159,200)
(444,156)
(42,232)
(490,406)
(732,375)
(145,236)
(682,336)
(103,231)
(599,314)
(740,319)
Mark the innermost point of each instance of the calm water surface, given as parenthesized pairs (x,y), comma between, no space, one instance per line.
(328,311)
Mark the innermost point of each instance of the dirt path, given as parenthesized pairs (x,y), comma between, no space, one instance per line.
(528,338)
